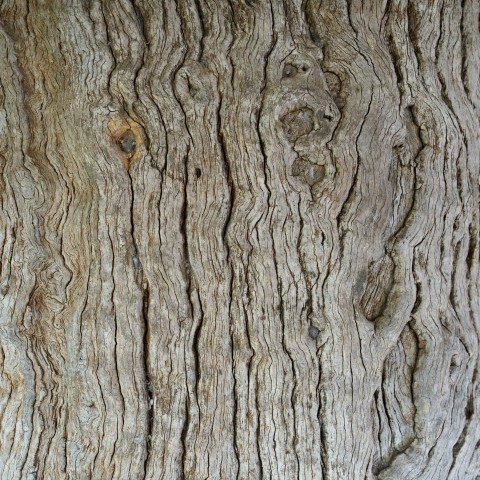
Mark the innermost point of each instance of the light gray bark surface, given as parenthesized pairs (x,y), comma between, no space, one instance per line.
(240,240)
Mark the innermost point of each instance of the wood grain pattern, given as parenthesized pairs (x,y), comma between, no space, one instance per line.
(240,239)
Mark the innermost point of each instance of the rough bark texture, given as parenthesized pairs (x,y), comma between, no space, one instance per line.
(240,240)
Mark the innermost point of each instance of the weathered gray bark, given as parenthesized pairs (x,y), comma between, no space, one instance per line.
(239,239)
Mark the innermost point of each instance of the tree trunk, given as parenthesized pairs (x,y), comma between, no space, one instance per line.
(240,240)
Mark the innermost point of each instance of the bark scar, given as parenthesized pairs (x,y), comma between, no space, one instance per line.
(127,136)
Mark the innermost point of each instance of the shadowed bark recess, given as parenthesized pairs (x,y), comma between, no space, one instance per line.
(239,239)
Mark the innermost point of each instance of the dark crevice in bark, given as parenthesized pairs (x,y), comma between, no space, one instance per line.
(183,438)
(292,363)
(140,56)
(196,347)
(248,334)
(261,141)
(348,12)
(312,24)
(149,386)
(257,433)
(394,54)
(464,56)
(379,463)
(108,47)
(128,146)
(203,29)
(234,394)
(271,47)
(324,446)
(412,28)
(472,254)
(144,291)
(376,400)
(231,200)
(231,191)
(418,353)
(187,273)
(115,348)
(440,36)
(281,312)
(453,284)
(469,412)
(137,9)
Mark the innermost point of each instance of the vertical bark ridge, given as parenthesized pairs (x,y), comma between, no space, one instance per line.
(451,141)
(159,185)
(355,196)
(250,40)
(199,85)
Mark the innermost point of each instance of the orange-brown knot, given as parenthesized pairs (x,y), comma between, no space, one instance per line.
(127,135)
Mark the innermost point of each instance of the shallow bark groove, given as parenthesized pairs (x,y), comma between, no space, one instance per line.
(240,239)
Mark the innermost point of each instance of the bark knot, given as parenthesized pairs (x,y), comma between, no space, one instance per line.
(297,123)
(308,171)
(127,142)
(128,136)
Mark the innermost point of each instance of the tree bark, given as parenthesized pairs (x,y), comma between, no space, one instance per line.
(240,239)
